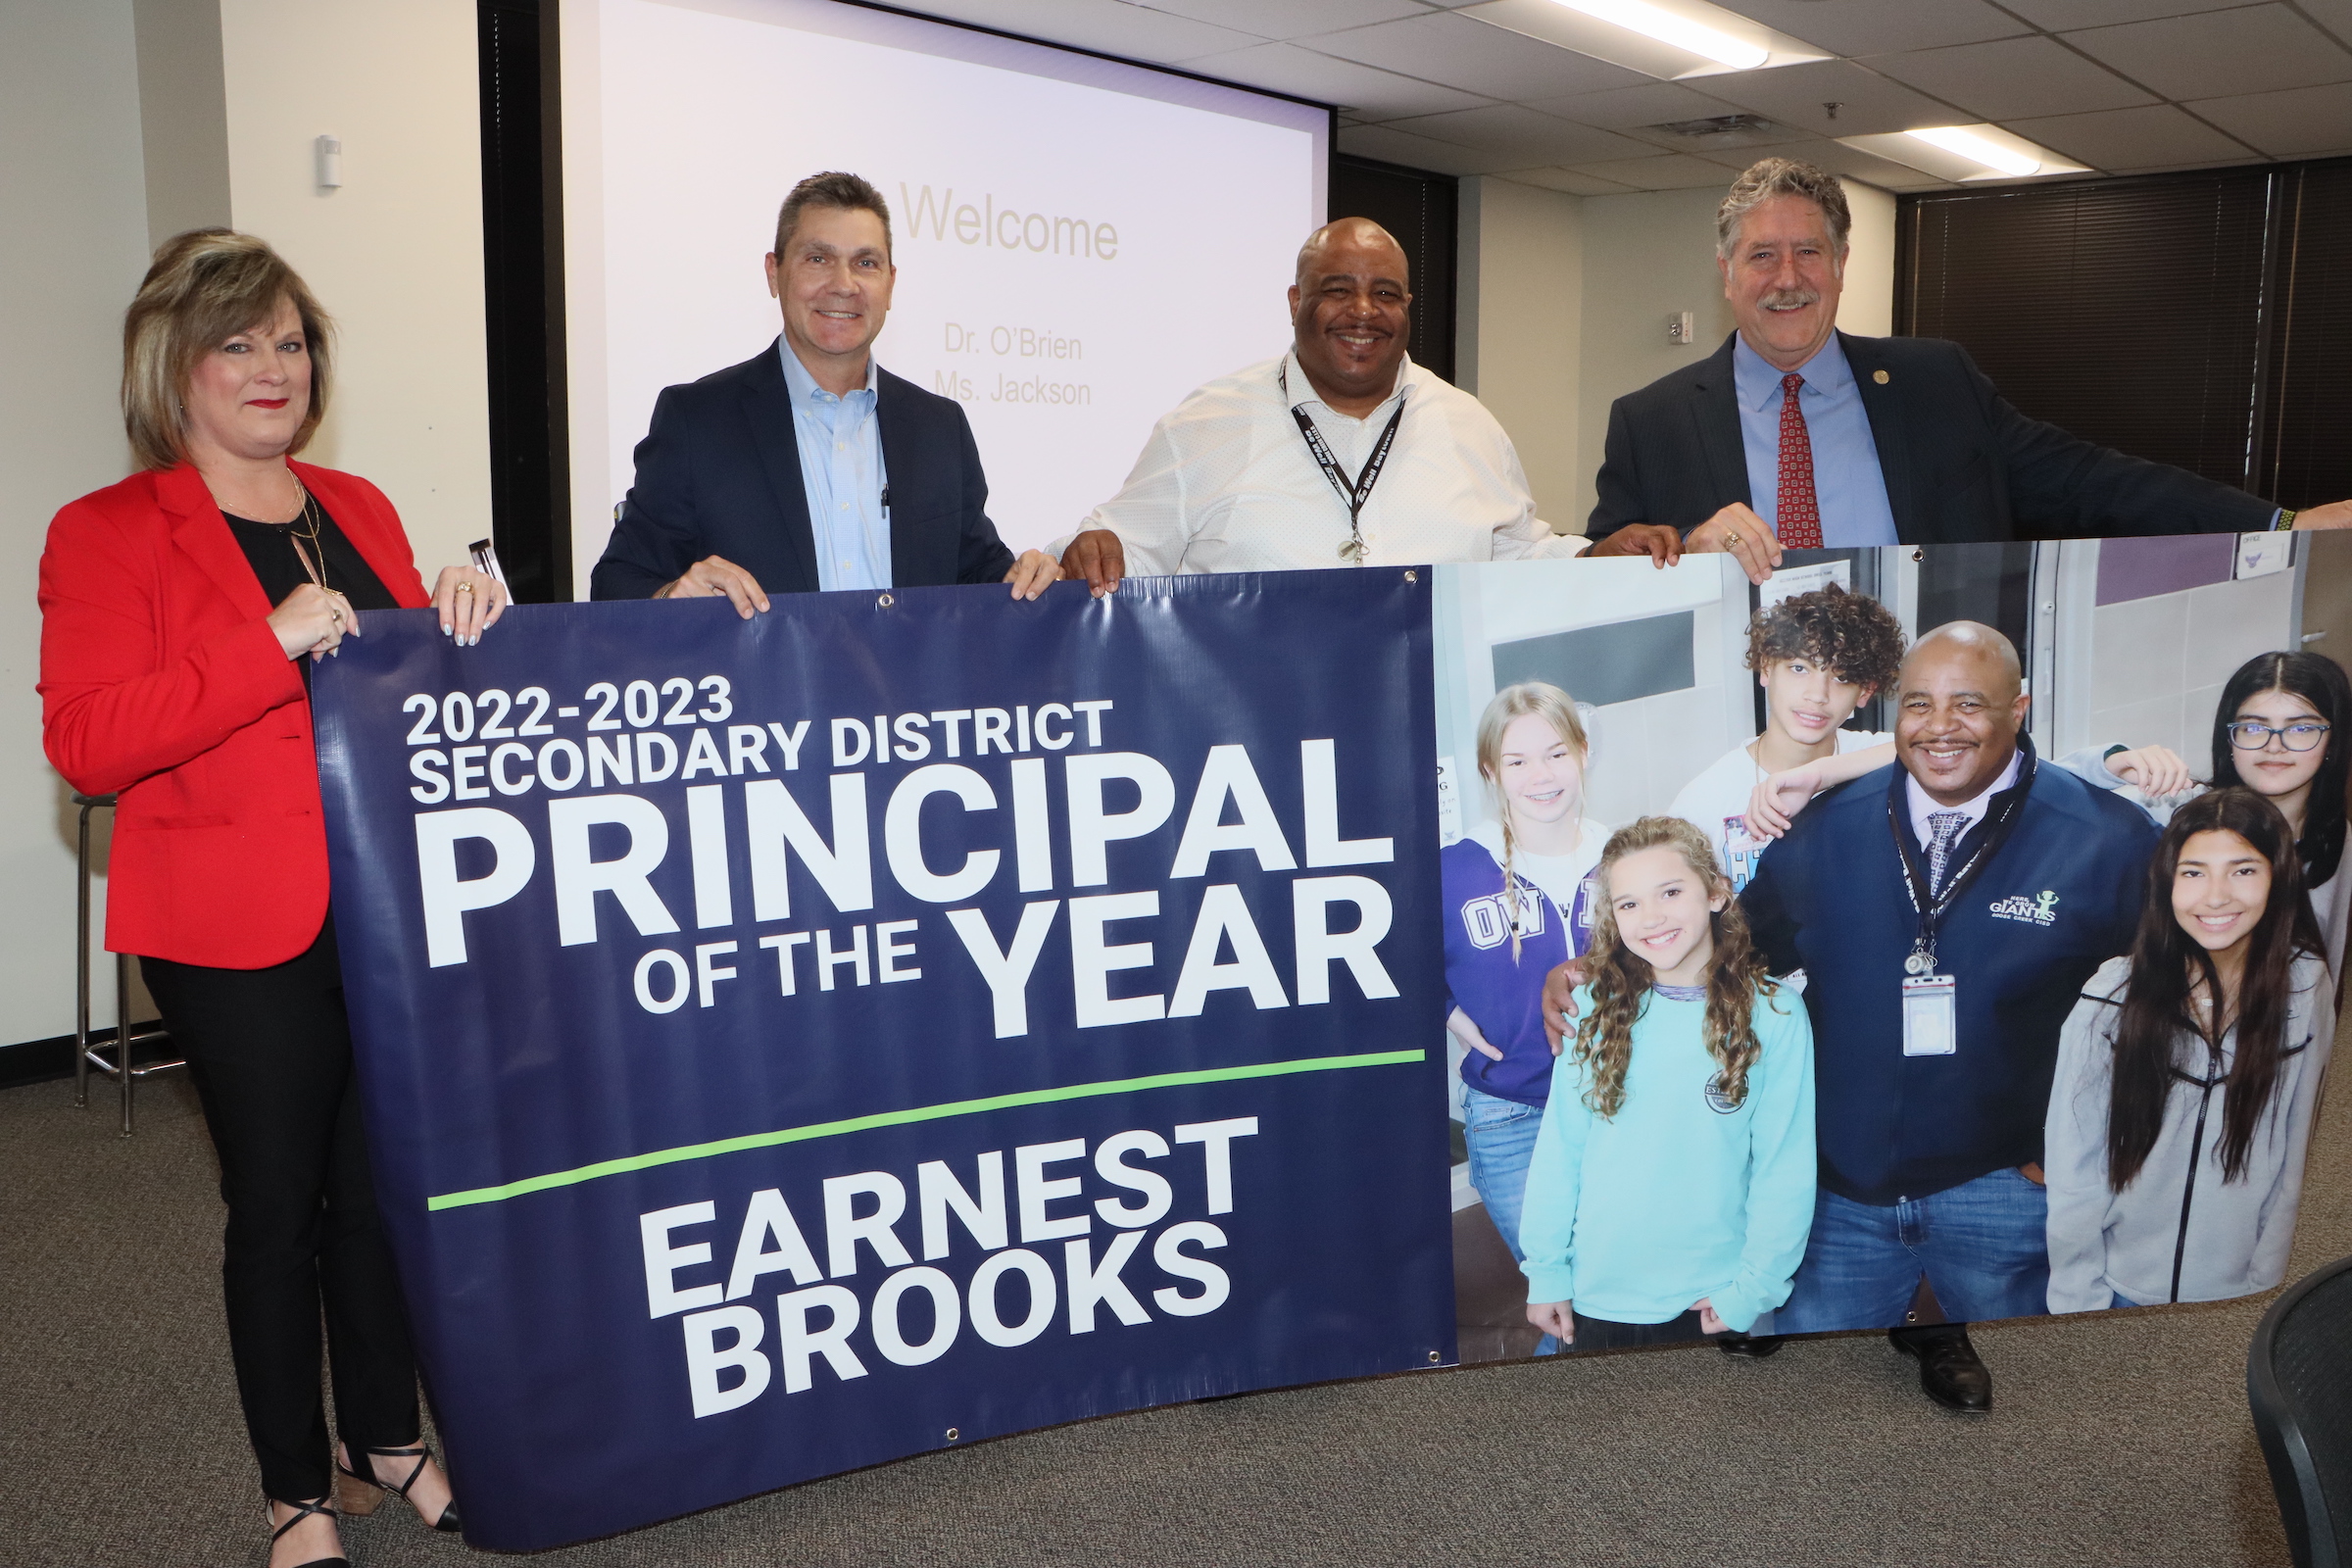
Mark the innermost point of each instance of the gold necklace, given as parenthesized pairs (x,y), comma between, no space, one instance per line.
(306,524)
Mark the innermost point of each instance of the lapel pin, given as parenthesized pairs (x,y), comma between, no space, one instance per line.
(1878,376)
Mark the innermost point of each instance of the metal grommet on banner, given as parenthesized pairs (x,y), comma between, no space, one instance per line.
(884,601)
(1412,577)
(952,1434)
(1919,555)
(1434,1356)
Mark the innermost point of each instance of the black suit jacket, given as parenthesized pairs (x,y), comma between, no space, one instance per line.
(1961,465)
(718,474)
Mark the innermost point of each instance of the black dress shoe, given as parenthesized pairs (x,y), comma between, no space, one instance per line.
(1754,1345)
(1950,1372)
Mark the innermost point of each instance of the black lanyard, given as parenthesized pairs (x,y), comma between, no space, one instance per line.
(1352,496)
(1931,907)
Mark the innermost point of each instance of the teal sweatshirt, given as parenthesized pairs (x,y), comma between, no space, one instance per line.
(1636,1218)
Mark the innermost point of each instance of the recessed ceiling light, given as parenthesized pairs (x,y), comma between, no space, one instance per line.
(1655,21)
(1968,144)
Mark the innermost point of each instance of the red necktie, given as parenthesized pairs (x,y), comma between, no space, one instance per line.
(1799,522)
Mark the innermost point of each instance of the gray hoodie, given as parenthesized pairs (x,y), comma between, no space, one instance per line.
(2179,1233)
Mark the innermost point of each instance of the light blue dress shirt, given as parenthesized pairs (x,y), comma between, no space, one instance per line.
(841,470)
(1847,485)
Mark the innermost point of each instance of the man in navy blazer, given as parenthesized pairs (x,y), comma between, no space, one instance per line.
(809,466)
(1888,440)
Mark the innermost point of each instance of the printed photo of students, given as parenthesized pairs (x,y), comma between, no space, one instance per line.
(1818,656)
(1672,1185)
(1517,903)
(2283,729)
(2187,1074)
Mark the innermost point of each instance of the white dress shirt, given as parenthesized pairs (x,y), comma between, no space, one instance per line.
(1226,482)
(1923,805)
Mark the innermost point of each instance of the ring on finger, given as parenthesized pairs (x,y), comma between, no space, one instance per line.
(1730,538)
(464,587)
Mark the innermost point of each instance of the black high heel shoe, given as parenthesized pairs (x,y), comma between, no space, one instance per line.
(302,1511)
(359,1493)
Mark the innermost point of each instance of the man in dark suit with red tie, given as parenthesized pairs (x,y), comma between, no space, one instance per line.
(1795,434)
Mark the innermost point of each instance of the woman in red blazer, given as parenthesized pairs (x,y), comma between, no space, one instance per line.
(181,610)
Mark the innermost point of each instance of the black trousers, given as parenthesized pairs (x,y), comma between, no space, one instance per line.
(269,1051)
(1601,1333)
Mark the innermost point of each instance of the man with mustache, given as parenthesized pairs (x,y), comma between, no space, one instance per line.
(1945,911)
(1797,435)
(1341,452)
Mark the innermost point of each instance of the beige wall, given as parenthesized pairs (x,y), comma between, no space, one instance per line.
(396,253)
(1564,303)
(1519,329)
(76,205)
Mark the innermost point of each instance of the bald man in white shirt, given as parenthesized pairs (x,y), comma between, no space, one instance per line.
(1341,452)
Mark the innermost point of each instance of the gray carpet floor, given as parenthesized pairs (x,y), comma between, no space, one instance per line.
(2116,1441)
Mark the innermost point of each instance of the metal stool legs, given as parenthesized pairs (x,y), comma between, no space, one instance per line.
(85,1053)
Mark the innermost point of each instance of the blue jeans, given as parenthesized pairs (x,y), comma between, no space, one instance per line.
(1983,1244)
(1501,1138)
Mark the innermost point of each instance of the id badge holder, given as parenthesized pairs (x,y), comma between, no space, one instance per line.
(1930,1022)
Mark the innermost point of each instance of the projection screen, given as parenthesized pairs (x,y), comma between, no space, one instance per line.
(1080,242)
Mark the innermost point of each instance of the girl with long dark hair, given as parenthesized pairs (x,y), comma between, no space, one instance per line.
(1672,1186)
(2189,1072)
(2283,729)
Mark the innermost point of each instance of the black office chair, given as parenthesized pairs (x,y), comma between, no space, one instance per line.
(2299,1383)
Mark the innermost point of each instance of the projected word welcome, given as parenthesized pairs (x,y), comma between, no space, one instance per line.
(1005,228)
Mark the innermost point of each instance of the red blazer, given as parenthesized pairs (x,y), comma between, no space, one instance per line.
(160,683)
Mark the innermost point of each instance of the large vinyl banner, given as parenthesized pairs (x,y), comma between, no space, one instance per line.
(899,1020)
(892,1021)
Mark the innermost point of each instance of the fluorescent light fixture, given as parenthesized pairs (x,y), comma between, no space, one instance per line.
(1968,144)
(1654,22)
(1673,40)
(1962,154)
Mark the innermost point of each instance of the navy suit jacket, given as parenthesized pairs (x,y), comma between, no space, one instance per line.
(718,474)
(1961,465)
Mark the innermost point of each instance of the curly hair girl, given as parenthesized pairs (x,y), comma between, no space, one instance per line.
(1620,979)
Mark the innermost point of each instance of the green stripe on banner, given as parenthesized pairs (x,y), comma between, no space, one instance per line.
(900,1118)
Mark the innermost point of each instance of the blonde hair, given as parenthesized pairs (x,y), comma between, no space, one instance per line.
(202,286)
(1620,979)
(1556,709)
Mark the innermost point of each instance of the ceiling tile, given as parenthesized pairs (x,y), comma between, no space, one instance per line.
(2012,76)
(1627,108)
(1109,26)
(1393,146)
(1568,180)
(2333,15)
(1291,19)
(1527,136)
(2296,124)
(1369,94)
(1850,162)
(1461,52)
(1665,172)
(2132,138)
(1874,27)
(2220,53)
(1795,95)
(2063,16)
